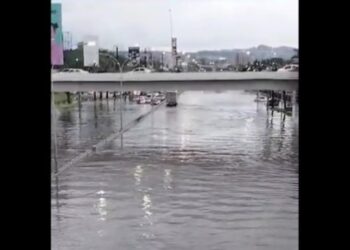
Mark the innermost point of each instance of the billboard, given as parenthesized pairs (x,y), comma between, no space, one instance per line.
(91,51)
(56,34)
(134,53)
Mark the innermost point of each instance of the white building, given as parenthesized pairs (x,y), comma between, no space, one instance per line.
(242,58)
(91,51)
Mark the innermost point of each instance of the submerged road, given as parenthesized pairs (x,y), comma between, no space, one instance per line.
(219,171)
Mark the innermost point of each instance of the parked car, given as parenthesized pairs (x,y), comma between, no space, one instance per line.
(74,71)
(289,68)
(148,99)
(141,100)
(156,101)
(141,70)
(161,97)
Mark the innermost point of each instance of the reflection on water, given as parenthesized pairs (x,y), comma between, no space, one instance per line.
(87,124)
(138,175)
(167,179)
(146,205)
(101,208)
(216,172)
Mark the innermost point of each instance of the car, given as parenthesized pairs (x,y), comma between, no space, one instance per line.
(136,98)
(68,70)
(289,68)
(155,101)
(141,70)
(141,100)
(148,99)
(164,69)
(176,70)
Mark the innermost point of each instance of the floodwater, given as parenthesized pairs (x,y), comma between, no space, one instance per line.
(218,171)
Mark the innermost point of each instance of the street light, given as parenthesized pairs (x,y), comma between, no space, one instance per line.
(121,91)
(116,51)
(54,125)
(94,66)
(163,53)
(121,86)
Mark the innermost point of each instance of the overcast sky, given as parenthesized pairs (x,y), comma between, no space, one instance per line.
(197,24)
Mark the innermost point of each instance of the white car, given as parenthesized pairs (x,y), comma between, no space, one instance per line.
(141,70)
(148,99)
(74,71)
(141,100)
(155,101)
(289,68)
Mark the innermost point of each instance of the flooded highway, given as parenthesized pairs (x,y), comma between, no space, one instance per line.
(218,171)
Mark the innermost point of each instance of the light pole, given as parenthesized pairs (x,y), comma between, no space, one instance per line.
(121,87)
(94,66)
(116,52)
(248,56)
(163,53)
(54,125)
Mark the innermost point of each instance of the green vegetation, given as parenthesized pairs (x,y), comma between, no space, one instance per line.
(74,59)
(61,100)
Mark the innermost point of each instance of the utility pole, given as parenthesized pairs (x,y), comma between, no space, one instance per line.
(145,57)
(151,58)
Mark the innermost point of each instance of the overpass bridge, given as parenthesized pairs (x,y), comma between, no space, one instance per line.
(214,81)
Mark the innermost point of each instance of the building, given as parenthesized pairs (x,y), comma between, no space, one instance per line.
(90,50)
(67,41)
(56,35)
(242,58)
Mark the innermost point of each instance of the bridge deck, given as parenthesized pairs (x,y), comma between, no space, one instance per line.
(175,81)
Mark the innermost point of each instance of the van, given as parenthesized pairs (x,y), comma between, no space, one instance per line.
(171,99)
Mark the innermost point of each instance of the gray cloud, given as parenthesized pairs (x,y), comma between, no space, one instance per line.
(198,24)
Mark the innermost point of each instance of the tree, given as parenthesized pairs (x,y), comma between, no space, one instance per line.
(108,62)
(73,58)
(202,61)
